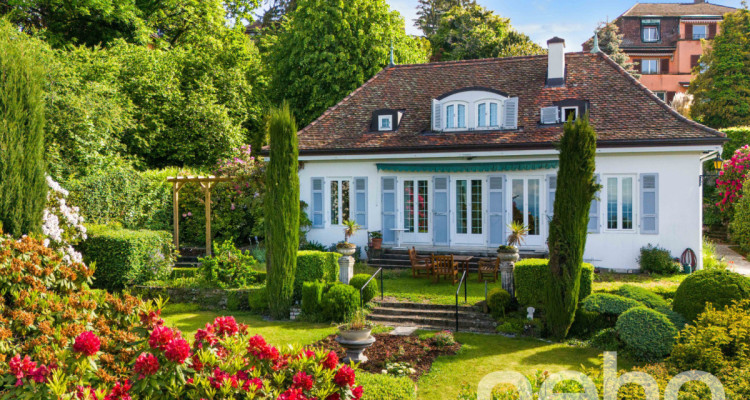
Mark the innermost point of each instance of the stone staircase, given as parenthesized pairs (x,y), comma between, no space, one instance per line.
(399,258)
(187,262)
(432,317)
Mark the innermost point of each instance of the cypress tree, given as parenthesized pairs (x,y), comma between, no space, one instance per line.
(23,189)
(576,187)
(282,210)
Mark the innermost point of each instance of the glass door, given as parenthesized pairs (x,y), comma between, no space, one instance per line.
(468,216)
(526,201)
(416,206)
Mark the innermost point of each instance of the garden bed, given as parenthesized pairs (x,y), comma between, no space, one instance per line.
(418,352)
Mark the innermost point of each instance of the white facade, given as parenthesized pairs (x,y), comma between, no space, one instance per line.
(479,217)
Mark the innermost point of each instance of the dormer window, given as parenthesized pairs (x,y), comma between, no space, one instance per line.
(650,30)
(487,114)
(385,122)
(474,108)
(561,111)
(569,113)
(455,116)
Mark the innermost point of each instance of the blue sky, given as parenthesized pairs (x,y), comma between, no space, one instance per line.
(572,20)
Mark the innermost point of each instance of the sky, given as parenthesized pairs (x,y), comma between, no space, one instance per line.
(572,20)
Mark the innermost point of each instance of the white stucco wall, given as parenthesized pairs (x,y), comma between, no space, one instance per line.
(679,198)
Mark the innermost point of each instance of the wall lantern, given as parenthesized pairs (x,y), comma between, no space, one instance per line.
(718,162)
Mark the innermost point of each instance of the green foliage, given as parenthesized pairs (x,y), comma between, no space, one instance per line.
(125,257)
(340,303)
(498,301)
(722,97)
(738,137)
(430,12)
(313,246)
(588,322)
(321,53)
(312,298)
(282,210)
(645,296)
(530,274)
(370,291)
(228,267)
(257,300)
(471,31)
(313,266)
(606,340)
(568,228)
(717,287)
(237,300)
(710,259)
(657,260)
(648,334)
(739,227)
(386,387)
(23,189)
(612,304)
(610,40)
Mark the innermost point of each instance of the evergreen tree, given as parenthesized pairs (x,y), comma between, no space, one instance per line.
(722,88)
(429,13)
(567,231)
(610,40)
(282,210)
(23,189)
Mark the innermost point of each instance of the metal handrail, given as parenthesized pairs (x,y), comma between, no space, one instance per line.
(458,290)
(362,289)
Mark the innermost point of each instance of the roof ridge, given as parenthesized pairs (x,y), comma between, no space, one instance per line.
(472,61)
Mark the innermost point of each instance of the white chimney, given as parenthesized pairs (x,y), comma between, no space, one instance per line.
(556,62)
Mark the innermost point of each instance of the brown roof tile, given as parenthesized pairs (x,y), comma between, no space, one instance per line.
(677,10)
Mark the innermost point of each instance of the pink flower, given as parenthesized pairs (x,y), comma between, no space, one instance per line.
(160,337)
(146,364)
(344,376)
(119,392)
(177,350)
(292,394)
(302,381)
(358,392)
(226,326)
(87,343)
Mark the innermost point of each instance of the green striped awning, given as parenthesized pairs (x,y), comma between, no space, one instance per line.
(469,167)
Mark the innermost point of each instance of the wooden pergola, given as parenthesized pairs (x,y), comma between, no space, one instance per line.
(206,182)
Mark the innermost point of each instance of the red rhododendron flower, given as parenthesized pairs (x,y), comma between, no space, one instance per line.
(302,381)
(20,368)
(344,376)
(226,326)
(197,364)
(146,364)
(151,319)
(178,350)
(119,392)
(306,354)
(255,384)
(160,337)
(39,375)
(85,393)
(333,396)
(292,394)
(331,360)
(256,342)
(87,343)
(358,392)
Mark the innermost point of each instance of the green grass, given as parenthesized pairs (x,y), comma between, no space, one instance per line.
(611,282)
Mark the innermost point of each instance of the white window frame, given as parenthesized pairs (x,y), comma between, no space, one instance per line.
(562,113)
(487,104)
(382,118)
(634,198)
(662,95)
(650,39)
(455,121)
(656,62)
(705,32)
(329,201)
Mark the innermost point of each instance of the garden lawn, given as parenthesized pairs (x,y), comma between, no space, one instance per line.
(661,284)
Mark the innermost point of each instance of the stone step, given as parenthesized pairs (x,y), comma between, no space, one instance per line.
(464,324)
(400,305)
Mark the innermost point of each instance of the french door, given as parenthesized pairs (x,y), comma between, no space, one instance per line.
(468,209)
(526,207)
(416,206)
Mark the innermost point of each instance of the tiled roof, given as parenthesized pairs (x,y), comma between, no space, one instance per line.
(623,112)
(677,10)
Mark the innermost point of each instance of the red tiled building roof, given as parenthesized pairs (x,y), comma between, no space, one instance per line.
(677,10)
(623,112)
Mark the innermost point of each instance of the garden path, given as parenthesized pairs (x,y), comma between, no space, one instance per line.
(735,260)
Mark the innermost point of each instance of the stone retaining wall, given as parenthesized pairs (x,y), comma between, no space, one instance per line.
(210,299)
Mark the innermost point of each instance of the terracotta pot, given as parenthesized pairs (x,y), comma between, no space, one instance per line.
(354,335)
(346,251)
(377,243)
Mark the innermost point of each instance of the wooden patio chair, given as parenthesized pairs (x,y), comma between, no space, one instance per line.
(445,266)
(488,267)
(420,265)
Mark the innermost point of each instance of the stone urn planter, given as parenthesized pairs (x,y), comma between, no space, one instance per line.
(346,261)
(346,251)
(355,341)
(508,255)
(354,334)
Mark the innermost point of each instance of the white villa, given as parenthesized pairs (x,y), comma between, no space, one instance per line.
(445,155)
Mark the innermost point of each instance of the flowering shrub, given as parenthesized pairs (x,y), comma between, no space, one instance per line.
(731,178)
(229,267)
(444,339)
(62,224)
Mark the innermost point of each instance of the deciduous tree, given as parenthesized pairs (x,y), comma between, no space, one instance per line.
(429,13)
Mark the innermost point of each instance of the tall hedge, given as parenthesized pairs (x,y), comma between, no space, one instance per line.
(738,136)
(567,232)
(315,266)
(531,276)
(282,210)
(23,189)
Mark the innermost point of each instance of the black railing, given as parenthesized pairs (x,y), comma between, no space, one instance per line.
(361,291)
(465,283)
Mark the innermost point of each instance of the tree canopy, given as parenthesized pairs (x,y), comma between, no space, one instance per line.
(610,40)
(429,13)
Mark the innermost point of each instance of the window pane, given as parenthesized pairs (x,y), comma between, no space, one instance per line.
(345,201)
(409,206)
(423,203)
(476,206)
(650,34)
(611,203)
(461,206)
(461,116)
(627,203)
(481,117)
(334,202)
(534,207)
(493,114)
(650,66)
(700,32)
(449,115)
(518,200)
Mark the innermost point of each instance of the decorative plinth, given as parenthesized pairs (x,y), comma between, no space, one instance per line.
(355,349)
(506,277)
(346,268)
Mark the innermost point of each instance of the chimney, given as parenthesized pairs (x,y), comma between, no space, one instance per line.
(700,1)
(556,62)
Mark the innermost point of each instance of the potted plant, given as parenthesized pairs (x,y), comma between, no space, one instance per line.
(345,248)
(376,240)
(517,236)
(358,329)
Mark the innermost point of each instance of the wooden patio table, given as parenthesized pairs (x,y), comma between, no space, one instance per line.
(463,261)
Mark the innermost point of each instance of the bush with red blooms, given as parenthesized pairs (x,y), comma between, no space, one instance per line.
(731,178)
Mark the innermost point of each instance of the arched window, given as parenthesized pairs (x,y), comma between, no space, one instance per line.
(455,115)
(488,114)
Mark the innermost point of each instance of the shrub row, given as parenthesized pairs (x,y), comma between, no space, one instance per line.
(718,287)
(531,275)
(314,266)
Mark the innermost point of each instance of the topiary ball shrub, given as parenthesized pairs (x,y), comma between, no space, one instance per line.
(340,303)
(588,322)
(612,304)
(645,296)
(657,260)
(497,301)
(606,339)
(370,291)
(648,334)
(718,287)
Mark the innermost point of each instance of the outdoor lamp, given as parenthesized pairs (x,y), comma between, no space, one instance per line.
(718,162)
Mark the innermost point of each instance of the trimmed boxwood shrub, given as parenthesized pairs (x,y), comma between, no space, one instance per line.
(530,275)
(124,257)
(719,287)
(340,303)
(606,339)
(612,304)
(498,300)
(370,291)
(645,296)
(257,300)
(648,334)
(312,297)
(314,266)
(386,387)
(587,322)
(657,260)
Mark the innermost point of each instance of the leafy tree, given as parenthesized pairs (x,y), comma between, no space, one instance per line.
(610,40)
(429,13)
(472,31)
(568,228)
(276,11)
(326,49)
(23,189)
(282,210)
(722,88)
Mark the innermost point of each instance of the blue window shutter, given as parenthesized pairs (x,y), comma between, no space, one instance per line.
(496,210)
(388,204)
(650,203)
(316,205)
(510,119)
(551,191)
(360,201)
(594,212)
(436,122)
